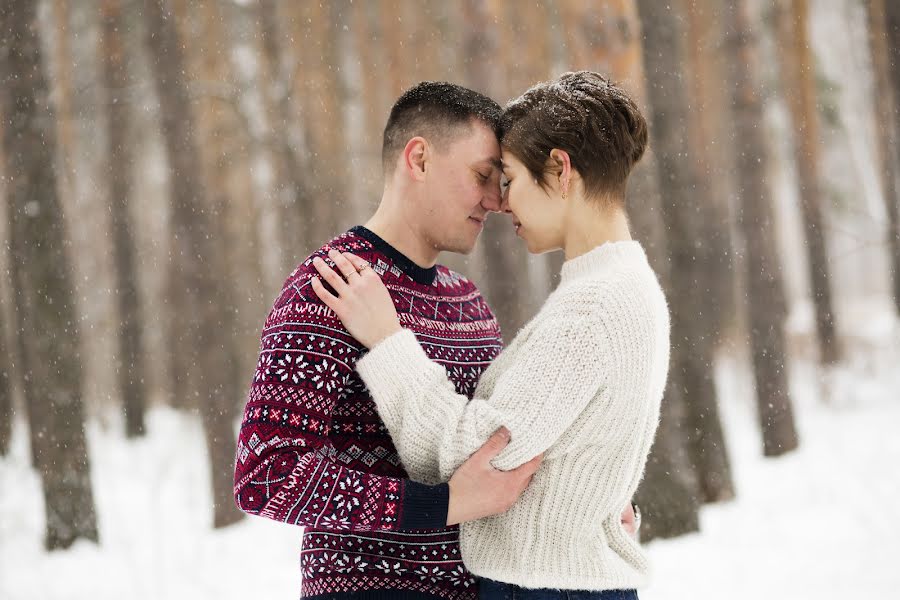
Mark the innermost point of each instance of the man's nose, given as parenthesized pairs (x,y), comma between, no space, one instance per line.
(493,201)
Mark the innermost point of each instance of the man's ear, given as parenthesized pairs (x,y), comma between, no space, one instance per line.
(415,158)
(562,168)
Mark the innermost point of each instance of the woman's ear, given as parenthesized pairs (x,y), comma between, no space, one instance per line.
(415,158)
(562,169)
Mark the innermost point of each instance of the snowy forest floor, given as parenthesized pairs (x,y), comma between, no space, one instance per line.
(815,524)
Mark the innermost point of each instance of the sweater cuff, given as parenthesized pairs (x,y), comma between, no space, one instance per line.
(424,506)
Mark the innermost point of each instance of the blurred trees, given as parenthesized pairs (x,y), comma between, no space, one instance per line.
(6,411)
(884,40)
(131,362)
(766,321)
(202,325)
(799,86)
(47,332)
(686,217)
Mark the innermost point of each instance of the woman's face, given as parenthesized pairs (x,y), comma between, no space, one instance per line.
(538,214)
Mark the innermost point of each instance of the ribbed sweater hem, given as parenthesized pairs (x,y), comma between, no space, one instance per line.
(559,581)
(376,595)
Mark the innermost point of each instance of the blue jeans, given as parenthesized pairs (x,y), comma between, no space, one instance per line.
(497,590)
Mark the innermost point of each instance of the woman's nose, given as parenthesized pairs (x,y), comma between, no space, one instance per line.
(504,202)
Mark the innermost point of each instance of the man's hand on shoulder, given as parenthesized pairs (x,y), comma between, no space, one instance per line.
(478,490)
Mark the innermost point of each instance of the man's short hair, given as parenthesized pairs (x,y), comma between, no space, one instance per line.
(586,115)
(438,111)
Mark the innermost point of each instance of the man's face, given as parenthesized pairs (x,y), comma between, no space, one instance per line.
(462,187)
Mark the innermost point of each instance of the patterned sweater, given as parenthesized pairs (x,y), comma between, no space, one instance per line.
(312,450)
(582,383)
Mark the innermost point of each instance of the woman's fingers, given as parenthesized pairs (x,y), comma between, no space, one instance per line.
(337,282)
(344,265)
(357,262)
(330,300)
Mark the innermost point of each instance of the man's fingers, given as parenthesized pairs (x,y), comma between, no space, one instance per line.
(344,265)
(495,443)
(531,466)
(337,282)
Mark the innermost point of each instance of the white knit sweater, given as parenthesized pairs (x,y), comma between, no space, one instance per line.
(582,382)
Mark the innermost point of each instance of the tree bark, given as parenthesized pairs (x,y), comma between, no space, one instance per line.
(283,213)
(316,89)
(885,48)
(202,303)
(46,320)
(6,412)
(692,363)
(227,167)
(766,305)
(799,80)
(130,364)
(708,150)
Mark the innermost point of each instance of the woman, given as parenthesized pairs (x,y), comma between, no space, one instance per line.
(581,383)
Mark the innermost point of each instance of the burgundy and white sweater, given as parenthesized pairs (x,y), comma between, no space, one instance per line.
(312,450)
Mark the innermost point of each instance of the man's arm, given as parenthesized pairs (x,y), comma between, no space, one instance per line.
(285,468)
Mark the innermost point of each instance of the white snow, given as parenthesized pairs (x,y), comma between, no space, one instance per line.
(816,524)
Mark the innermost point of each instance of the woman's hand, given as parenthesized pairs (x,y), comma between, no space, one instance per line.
(363,304)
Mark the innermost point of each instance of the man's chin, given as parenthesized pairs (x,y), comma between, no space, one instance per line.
(464,247)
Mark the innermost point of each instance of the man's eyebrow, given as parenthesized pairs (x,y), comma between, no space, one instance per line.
(494,162)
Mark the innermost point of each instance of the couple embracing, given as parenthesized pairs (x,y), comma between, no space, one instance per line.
(422,459)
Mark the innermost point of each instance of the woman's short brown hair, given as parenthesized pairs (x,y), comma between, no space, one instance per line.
(588,116)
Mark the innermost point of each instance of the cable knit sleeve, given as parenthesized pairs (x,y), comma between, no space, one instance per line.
(557,369)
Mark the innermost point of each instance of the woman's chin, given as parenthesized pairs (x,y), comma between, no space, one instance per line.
(532,246)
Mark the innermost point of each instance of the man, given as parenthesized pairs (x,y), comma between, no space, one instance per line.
(312,449)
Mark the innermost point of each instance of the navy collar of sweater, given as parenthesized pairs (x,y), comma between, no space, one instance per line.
(418,274)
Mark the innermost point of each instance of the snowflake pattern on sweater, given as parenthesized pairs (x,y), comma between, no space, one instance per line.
(312,450)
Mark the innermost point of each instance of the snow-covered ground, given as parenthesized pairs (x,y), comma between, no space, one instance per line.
(816,524)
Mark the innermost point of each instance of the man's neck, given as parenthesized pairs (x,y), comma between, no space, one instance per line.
(394,229)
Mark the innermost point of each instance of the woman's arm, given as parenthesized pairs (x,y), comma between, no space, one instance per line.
(556,372)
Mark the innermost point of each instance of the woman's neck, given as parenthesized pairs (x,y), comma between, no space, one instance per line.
(588,227)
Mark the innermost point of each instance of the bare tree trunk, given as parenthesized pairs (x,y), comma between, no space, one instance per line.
(799,80)
(692,366)
(885,54)
(201,300)
(708,153)
(767,305)
(225,153)
(283,214)
(6,412)
(130,364)
(316,87)
(46,321)
(6,357)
